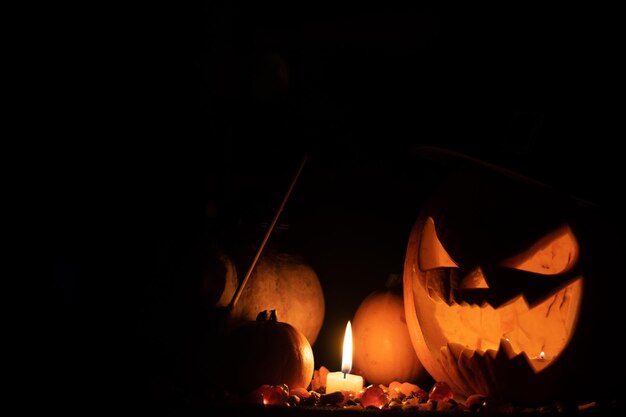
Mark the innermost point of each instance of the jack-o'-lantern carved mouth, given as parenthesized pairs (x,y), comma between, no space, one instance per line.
(479,324)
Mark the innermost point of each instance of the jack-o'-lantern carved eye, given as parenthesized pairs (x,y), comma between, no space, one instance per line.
(432,254)
(554,254)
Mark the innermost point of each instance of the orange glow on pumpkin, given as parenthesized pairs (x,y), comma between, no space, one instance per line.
(384,351)
(554,254)
(457,341)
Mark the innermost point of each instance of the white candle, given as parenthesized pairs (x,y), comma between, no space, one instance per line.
(338,381)
(344,381)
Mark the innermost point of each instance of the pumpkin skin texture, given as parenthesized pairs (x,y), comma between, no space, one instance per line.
(502,296)
(281,282)
(266,351)
(382,347)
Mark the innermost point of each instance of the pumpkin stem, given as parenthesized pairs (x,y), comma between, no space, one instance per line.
(266,315)
(393,280)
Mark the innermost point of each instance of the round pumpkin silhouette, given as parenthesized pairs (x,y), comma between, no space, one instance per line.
(507,291)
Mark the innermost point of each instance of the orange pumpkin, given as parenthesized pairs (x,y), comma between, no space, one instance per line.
(382,347)
(282,282)
(502,294)
(266,351)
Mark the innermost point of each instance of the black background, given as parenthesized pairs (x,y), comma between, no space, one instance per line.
(192,122)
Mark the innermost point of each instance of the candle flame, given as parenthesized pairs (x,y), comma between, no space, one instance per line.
(542,355)
(346,360)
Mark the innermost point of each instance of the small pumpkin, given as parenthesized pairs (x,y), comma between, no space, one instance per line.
(280,281)
(382,346)
(266,351)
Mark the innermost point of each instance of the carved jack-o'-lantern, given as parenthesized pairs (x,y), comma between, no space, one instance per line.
(501,295)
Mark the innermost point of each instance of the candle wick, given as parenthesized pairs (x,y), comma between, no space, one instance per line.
(344,374)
